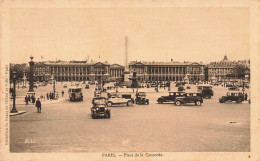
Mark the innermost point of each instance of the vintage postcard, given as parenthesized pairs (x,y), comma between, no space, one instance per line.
(130,80)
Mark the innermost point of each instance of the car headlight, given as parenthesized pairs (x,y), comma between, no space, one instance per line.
(97,108)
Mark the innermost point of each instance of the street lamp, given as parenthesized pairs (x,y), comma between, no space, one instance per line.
(14,79)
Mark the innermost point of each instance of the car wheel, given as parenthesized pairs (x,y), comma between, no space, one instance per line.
(129,103)
(109,104)
(93,116)
(198,103)
(177,103)
(147,102)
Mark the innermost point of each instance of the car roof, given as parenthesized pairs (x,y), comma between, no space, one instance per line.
(74,87)
(96,98)
(204,85)
(234,92)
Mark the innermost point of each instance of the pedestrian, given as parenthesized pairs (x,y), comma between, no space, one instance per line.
(29,98)
(26,100)
(47,96)
(41,97)
(246,96)
(38,105)
(33,99)
(62,93)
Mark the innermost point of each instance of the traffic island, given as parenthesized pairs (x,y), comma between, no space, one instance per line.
(17,113)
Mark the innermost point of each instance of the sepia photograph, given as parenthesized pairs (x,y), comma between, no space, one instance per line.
(128,82)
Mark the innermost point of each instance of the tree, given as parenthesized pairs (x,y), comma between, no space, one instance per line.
(240,71)
(19,69)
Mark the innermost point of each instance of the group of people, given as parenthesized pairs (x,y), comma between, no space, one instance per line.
(30,99)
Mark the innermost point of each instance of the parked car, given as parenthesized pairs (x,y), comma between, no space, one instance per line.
(234,88)
(86,86)
(188,87)
(65,86)
(189,98)
(205,90)
(141,98)
(99,108)
(181,88)
(236,96)
(170,98)
(120,99)
(75,93)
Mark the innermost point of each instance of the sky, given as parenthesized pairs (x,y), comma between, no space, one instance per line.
(154,34)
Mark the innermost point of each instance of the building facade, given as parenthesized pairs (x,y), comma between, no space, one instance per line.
(219,71)
(167,71)
(78,71)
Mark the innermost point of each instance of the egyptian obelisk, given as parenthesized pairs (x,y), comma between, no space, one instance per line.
(126,73)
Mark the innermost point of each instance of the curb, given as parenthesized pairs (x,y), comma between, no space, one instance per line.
(18,113)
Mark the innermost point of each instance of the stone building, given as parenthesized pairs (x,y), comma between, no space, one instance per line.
(168,71)
(78,71)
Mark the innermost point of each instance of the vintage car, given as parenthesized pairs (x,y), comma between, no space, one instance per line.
(189,98)
(99,108)
(119,99)
(188,87)
(181,88)
(236,96)
(234,88)
(170,98)
(87,86)
(75,93)
(65,86)
(141,98)
(97,93)
(205,90)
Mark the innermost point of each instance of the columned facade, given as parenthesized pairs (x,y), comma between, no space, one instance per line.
(167,71)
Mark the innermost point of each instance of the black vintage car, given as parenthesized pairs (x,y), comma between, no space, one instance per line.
(170,98)
(99,108)
(236,96)
(205,90)
(141,98)
(181,88)
(189,98)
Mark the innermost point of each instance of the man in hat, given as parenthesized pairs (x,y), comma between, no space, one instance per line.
(38,105)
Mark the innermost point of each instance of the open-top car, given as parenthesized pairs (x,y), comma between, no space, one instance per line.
(99,108)
(189,98)
(236,96)
(170,98)
(75,93)
(141,98)
(205,90)
(117,99)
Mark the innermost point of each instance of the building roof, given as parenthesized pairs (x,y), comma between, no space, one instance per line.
(163,63)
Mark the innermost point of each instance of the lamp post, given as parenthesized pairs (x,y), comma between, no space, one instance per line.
(14,79)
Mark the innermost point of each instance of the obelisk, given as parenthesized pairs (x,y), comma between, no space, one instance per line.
(126,73)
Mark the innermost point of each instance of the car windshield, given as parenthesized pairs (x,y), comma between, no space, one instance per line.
(75,90)
(100,101)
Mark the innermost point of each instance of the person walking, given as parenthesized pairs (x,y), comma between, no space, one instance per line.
(29,98)
(62,93)
(41,97)
(26,100)
(38,105)
(33,99)
(47,96)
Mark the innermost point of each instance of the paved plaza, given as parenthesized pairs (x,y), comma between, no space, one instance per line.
(65,126)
